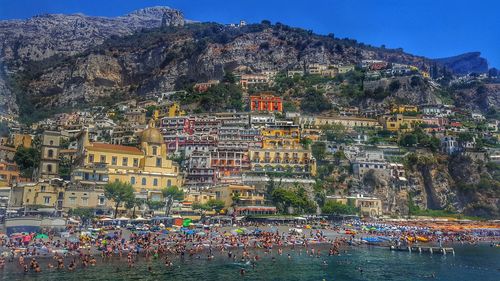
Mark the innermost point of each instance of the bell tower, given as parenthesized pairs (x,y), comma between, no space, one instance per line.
(49,160)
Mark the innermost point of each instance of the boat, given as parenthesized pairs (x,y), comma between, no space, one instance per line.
(422,239)
(372,240)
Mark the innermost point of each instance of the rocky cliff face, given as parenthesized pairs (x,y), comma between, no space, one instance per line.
(46,37)
(440,182)
(465,63)
(161,59)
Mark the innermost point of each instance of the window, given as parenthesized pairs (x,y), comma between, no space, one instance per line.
(155,182)
(50,153)
(91,158)
(132,180)
(42,188)
(51,142)
(72,200)
(103,159)
(136,162)
(49,168)
(114,160)
(102,200)
(46,200)
(143,181)
(85,201)
(155,150)
(169,183)
(158,162)
(125,161)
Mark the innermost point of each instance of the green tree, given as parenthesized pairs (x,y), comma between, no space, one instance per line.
(64,168)
(335,132)
(4,129)
(319,150)
(332,207)
(154,205)
(314,102)
(229,78)
(27,160)
(216,205)
(119,192)
(134,203)
(150,110)
(85,214)
(170,194)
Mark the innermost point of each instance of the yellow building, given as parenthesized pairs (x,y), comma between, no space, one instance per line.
(147,168)
(243,199)
(399,122)
(281,136)
(168,110)
(346,121)
(24,140)
(56,195)
(233,194)
(404,109)
(282,152)
(198,196)
(281,160)
(44,194)
(368,206)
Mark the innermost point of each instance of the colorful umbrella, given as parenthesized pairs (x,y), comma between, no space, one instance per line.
(41,236)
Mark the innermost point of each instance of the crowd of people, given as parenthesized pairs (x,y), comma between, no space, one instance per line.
(166,246)
(240,245)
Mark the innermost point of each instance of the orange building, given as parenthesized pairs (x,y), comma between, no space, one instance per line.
(9,174)
(266,102)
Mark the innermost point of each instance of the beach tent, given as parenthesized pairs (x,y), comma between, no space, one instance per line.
(186,222)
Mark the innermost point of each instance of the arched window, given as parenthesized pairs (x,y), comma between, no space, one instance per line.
(143,181)
(50,153)
(132,180)
(51,142)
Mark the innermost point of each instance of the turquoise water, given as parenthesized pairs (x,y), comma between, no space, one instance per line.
(469,263)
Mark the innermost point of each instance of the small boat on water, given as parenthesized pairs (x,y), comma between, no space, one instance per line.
(372,240)
(422,239)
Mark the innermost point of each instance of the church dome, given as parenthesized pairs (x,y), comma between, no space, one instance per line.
(151,135)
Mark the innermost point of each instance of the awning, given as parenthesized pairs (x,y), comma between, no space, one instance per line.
(402,179)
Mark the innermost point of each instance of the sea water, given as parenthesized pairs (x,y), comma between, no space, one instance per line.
(480,262)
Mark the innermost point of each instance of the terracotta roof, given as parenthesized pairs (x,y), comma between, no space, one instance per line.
(114,147)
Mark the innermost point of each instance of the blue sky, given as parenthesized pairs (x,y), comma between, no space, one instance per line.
(432,28)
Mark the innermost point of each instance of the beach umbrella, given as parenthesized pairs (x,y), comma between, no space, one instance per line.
(41,236)
(201,233)
(73,239)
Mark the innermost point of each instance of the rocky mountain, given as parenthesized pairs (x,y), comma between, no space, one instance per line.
(465,63)
(52,62)
(46,37)
(79,60)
